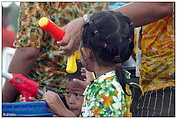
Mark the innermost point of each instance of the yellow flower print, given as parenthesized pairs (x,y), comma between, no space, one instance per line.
(115,92)
(107,100)
(96,111)
(100,96)
(108,79)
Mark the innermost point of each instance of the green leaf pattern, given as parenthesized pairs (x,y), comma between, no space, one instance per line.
(104,98)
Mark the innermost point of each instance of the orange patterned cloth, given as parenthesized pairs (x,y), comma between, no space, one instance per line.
(157,69)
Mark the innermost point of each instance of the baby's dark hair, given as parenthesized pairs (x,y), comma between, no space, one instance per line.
(110,36)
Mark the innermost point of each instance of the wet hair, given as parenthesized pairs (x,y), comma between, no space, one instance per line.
(110,37)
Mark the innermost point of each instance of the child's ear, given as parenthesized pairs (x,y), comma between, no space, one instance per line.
(89,53)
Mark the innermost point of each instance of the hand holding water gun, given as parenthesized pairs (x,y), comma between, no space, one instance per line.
(58,34)
(27,88)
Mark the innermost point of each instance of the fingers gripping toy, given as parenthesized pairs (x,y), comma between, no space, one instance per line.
(50,27)
(26,87)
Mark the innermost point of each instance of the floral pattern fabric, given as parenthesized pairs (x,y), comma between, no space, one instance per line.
(50,65)
(104,98)
(158,55)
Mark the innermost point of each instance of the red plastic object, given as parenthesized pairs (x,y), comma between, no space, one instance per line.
(54,30)
(28,88)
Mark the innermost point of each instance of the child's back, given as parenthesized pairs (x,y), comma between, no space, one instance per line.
(107,42)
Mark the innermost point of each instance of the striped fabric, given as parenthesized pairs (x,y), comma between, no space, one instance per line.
(156,103)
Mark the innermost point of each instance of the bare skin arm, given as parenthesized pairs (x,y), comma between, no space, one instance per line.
(22,63)
(146,12)
(57,105)
(141,14)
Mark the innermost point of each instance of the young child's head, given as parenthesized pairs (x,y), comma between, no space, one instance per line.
(107,39)
(74,96)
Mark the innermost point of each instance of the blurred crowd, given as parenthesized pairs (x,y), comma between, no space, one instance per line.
(9,23)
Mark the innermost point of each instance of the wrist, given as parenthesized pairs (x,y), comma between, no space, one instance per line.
(81,19)
(80,22)
(64,112)
(86,18)
(60,111)
(69,113)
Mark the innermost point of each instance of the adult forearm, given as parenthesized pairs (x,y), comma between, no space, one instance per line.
(146,12)
(9,93)
(22,63)
(23,60)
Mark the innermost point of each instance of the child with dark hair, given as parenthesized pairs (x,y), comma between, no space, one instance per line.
(107,42)
(73,97)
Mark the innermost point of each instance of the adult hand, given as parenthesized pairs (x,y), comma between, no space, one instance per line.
(71,39)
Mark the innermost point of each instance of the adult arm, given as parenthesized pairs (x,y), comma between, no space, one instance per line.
(28,42)
(141,14)
(22,63)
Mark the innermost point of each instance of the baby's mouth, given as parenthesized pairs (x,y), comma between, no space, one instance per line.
(73,108)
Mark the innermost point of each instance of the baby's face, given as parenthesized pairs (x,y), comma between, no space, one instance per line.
(74,96)
(74,101)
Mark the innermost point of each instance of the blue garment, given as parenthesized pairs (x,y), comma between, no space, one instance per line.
(116,5)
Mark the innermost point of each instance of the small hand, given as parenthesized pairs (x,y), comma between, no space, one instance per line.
(89,76)
(82,84)
(54,102)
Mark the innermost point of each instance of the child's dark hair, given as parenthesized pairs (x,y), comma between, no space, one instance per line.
(110,36)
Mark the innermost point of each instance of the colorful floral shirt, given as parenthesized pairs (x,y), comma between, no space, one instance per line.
(104,98)
(157,69)
(50,65)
